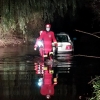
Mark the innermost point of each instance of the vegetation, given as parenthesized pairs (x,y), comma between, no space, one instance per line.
(27,17)
(17,13)
(95,4)
(96,86)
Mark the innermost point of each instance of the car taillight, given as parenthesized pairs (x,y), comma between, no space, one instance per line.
(68,47)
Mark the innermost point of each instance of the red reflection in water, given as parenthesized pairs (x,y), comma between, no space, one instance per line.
(48,81)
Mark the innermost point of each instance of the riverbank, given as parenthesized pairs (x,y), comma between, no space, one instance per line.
(9,41)
(14,41)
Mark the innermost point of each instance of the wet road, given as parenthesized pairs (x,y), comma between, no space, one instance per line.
(18,76)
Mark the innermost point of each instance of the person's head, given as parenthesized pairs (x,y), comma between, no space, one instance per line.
(48,96)
(48,27)
(41,32)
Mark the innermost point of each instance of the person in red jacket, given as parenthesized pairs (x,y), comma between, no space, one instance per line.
(39,44)
(47,88)
(48,37)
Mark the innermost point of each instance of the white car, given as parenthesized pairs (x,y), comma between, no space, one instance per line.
(65,44)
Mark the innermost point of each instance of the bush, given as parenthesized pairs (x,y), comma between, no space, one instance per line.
(96,88)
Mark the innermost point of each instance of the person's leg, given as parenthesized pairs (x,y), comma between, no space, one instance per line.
(41,52)
(47,50)
(45,54)
(50,54)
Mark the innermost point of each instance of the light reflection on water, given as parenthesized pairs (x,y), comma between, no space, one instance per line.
(18,79)
(15,79)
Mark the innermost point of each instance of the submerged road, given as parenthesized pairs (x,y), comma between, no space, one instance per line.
(18,79)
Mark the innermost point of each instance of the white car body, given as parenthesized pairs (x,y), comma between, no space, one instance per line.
(64,43)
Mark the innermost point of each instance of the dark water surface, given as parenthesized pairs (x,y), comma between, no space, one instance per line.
(18,79)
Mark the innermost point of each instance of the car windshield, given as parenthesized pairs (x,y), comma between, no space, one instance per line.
(62,38)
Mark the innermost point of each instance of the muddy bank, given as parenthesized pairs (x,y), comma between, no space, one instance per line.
(14,41)
(4,42)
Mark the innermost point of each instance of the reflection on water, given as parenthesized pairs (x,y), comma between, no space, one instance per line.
(55,80)
(26,77)
(15,80)
(47,80)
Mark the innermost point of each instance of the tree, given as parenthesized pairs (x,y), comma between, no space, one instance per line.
(14,13)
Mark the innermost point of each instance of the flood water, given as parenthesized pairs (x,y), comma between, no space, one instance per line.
(19,78)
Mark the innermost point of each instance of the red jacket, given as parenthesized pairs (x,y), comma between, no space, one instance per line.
(48,38)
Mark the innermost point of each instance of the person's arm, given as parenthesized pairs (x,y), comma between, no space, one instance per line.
(35,46)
